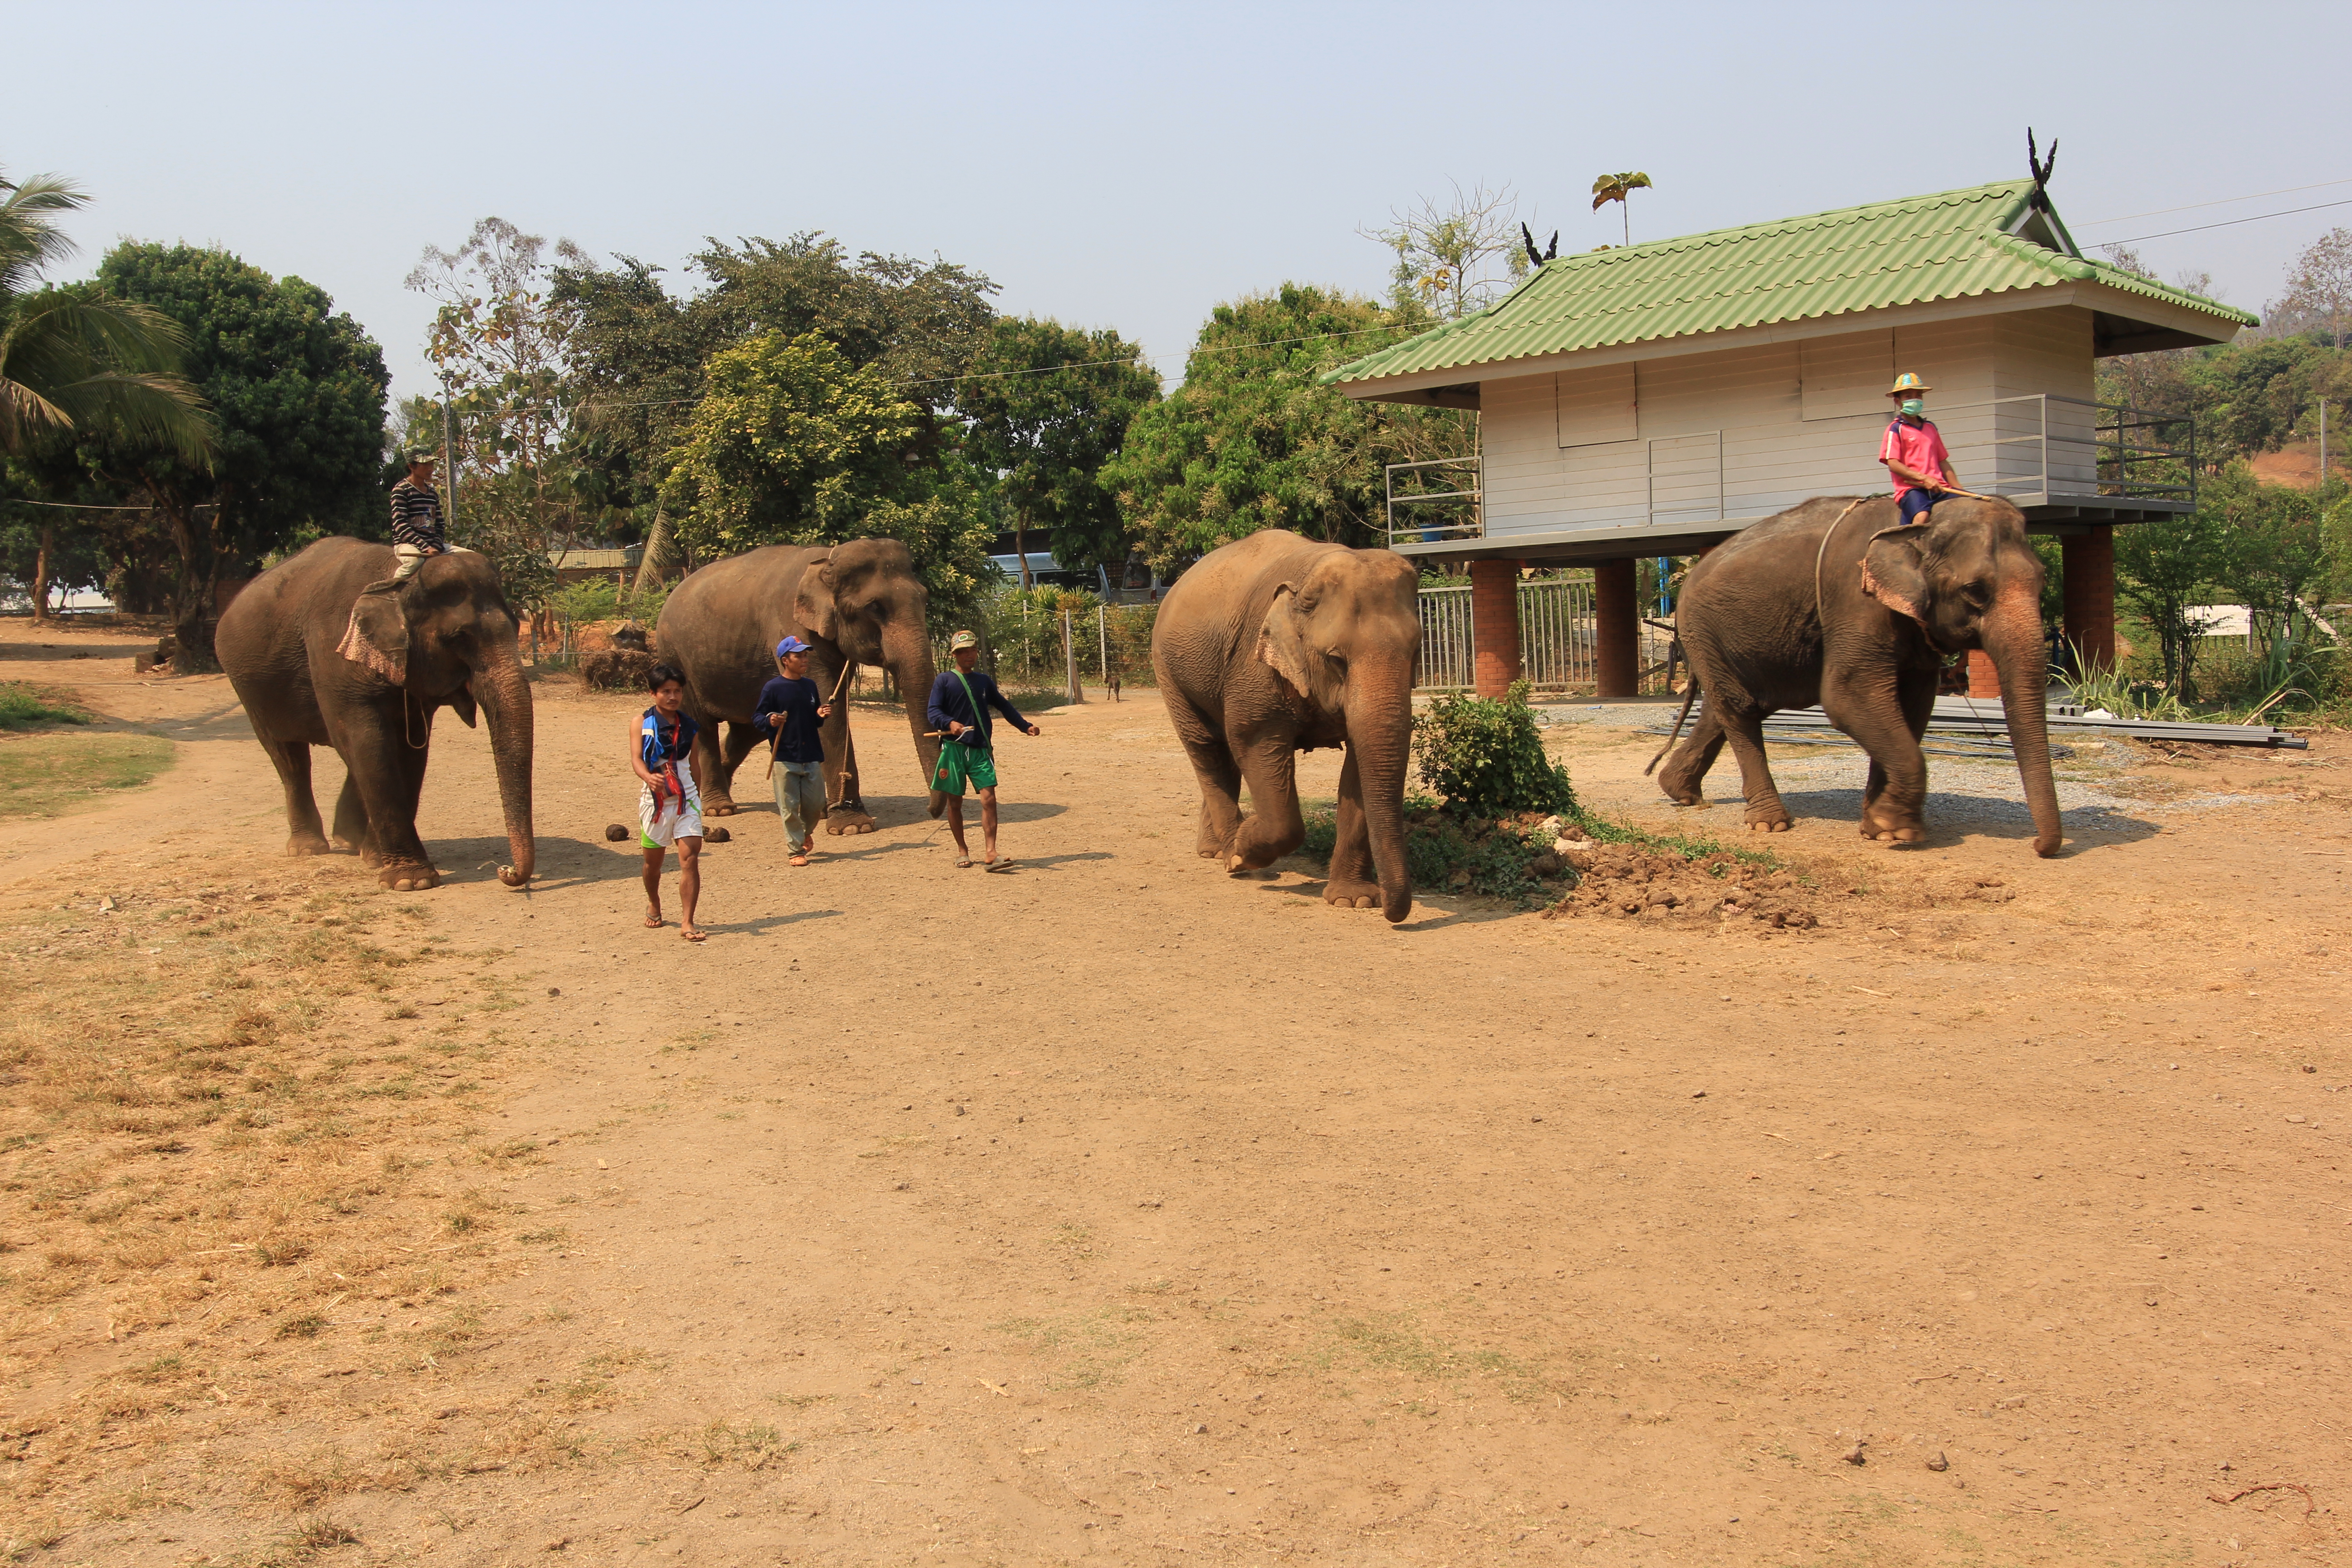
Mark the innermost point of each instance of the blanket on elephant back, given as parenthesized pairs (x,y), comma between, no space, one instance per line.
(390,663)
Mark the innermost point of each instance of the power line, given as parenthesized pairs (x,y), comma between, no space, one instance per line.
(2225,200)
(2228,222)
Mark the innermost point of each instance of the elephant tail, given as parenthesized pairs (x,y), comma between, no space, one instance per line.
(1688,697)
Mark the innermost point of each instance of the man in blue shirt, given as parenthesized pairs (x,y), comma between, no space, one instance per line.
(791,716)
(960,699)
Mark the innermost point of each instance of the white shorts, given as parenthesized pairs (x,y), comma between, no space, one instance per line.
(680,819)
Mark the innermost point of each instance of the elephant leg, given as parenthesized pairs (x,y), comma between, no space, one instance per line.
(1354,882)
(1744,730)
(292,761)
(845,808)
(351,822)
(1274,826)
(712,777)
(376,754)
(1684,777)
(741,740)
(1220,780)
(1895,799)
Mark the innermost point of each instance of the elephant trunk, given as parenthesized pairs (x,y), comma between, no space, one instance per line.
(2011,635)
(1379,739)
(907,648)
(505,698)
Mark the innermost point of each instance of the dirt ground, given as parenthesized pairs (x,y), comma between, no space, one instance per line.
(1107,1209)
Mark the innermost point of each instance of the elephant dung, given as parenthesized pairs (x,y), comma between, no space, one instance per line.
(615,833)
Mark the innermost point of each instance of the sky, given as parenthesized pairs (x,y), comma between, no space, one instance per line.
(1130,166)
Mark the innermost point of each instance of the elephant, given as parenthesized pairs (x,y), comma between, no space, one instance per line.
(1837,602)
(448,634)
(1275,645)
(853,604)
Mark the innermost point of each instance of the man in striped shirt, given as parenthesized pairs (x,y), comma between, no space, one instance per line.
(416,530)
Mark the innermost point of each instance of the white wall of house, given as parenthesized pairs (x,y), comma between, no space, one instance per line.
(1739,434)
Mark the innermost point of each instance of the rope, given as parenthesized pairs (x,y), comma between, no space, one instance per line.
(1824,550)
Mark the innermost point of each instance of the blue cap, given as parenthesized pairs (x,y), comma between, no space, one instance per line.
(790,646)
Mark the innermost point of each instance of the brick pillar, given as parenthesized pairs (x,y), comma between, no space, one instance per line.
(1617,654)
(2088,563)
(1984,680)
(1495,625)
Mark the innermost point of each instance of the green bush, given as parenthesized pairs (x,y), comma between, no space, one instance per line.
(1486,758)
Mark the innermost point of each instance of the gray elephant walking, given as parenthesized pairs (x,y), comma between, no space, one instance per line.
(1275,645)
(447,639)
(854,603)
(1836,602)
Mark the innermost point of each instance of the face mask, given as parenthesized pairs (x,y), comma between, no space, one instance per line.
(1913,407)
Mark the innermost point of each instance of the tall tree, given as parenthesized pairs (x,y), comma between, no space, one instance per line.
(1253,441)
(74,357)
(297,392)
(2318,295)
(1047,406)
(2165,570)
(1455,257)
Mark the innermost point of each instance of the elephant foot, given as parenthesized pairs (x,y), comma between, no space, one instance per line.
(1348,893)
(1773,818)
(407,878)
(717,806)
(839,821)
(344,845)
(302,844)
(371,857)
(1888,827)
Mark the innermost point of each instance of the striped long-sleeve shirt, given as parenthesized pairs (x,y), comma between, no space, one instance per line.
(416,516)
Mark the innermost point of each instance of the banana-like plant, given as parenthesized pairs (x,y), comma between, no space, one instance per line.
(1616,188)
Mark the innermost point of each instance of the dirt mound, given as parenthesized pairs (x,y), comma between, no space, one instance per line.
(615,669)
(1628,881)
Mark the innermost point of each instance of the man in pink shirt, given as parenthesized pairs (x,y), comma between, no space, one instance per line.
(1914,452)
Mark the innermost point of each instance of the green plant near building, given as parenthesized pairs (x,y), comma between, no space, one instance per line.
(1484,756)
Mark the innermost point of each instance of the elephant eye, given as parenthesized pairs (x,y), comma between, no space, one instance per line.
(1977,593)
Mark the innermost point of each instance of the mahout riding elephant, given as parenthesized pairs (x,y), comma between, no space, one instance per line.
(853,604)
(1836,602)
(1275,645)
(448,637)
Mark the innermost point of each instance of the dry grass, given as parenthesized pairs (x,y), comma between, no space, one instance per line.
(221,1169)
(50,774)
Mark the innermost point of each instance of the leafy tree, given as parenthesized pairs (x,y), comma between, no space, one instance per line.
(791,444)
(1607,188)
(1047,406)
(74,358)
(2273,548)
(298,394)
(1253,441)
(2165,569)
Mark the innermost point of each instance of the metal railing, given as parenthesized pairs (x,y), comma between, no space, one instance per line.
(1464,517)
(1558,635)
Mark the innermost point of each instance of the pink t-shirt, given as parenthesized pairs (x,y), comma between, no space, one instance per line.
(1917,447)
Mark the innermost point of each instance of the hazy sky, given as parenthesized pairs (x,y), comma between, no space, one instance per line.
(1130,166)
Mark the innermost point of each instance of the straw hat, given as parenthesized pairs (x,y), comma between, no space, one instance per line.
(1906,384)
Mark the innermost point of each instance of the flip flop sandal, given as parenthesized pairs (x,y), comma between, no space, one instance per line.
(1000,865)
(694,936)
(963,863)
(800,860)
(654,922)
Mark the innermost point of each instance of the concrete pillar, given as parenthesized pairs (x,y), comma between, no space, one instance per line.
(1617,656)
(1984,680)
(1495,625)
(2088,563)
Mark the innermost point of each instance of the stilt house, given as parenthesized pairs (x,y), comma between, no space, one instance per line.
(1654,399)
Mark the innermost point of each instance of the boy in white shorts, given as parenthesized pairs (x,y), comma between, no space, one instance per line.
(669,806)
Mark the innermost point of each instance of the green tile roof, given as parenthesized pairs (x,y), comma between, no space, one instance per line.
(1952,245)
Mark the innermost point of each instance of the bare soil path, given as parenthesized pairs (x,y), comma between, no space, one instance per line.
(1107,1209)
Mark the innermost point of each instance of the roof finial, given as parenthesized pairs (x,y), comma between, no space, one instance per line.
(2039,200)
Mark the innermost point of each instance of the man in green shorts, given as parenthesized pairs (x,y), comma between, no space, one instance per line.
(960,699)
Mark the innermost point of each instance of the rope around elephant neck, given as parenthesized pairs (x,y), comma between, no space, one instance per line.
(1824,551)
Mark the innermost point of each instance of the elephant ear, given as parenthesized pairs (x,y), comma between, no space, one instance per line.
(378,637)
(812,605)
(1282,644)
(1892,572)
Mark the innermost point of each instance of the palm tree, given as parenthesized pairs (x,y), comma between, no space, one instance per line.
(1615,188)
(72,357)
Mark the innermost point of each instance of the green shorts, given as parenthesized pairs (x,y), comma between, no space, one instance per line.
(958,762)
